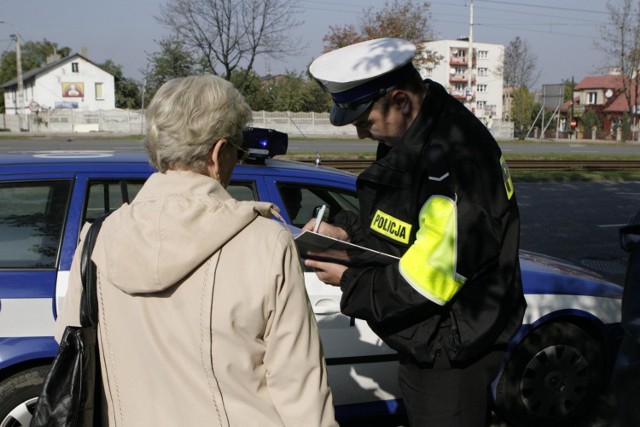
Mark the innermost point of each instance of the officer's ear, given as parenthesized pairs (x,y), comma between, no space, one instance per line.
(402,101)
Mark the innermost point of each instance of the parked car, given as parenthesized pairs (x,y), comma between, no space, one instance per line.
(557,364)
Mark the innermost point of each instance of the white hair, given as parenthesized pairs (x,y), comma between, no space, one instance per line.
(187,116)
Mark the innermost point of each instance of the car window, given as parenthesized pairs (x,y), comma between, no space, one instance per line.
(243,190)
(108,195)
(31,222)
(301,200)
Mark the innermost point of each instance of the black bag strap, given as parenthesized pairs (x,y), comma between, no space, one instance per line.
(89,301)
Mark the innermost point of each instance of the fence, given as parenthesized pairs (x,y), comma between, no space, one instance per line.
(70,121)
(132,122)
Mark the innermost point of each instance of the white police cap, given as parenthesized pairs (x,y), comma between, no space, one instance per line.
(358,74)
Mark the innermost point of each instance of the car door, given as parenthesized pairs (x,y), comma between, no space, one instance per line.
(33,211)
(362,369)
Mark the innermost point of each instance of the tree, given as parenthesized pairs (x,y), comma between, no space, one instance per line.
(569,86)
(231,34)
(291,92)
(522,111)
(341,36)
(252,89)
(406,19)
(520,65)
(171,61)
(127,90)
(32,55)
(590,120)
(621,44)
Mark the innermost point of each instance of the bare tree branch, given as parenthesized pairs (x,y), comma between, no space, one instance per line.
(231,34)
(405,19)
(519,67)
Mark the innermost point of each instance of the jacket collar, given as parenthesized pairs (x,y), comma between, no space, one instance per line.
(394,166)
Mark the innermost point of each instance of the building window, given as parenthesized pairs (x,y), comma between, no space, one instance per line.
(428,72)
(481,88)
(459,87)
(459,53)
(99,94)
(483,54)
(592,98)
(480,105)
(74,67)
(461,71)
(483,71)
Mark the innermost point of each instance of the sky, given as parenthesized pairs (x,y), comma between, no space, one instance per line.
(562,35)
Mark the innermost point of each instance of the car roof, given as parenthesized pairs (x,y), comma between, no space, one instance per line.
(70,161)
(137,161)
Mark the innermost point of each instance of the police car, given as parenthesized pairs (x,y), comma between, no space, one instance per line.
(556,366)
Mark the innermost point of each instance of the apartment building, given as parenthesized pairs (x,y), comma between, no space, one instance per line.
(484,95)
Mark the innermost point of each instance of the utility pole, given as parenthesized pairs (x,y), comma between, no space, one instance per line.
(542,126)
(144,85)
(470,59)
(571,116)
(20,94)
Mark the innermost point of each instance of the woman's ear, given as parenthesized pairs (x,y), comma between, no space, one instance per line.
(215,158)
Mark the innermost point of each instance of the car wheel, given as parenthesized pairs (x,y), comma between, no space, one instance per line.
(554,375)
(18,396)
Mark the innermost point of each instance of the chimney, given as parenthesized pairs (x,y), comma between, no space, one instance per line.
(53,58)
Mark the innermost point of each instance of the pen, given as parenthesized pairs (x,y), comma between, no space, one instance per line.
(319,218)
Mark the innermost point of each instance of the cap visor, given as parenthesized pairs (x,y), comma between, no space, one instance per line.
(344,116)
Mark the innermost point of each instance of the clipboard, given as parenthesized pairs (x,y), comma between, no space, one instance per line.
(324,248)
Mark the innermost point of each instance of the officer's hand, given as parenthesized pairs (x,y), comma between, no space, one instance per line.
(327,230)
(327,272)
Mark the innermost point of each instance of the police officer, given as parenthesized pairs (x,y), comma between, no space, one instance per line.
(440,197)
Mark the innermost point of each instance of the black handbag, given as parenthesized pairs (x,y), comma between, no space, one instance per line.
(72,390)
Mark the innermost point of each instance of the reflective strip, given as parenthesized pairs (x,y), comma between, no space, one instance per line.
(608,310)
(26,317)
(506,177)
(62,285)
(429,265)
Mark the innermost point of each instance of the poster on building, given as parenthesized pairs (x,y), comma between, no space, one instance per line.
(73,90)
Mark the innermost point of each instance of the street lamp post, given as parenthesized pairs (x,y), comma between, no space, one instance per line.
(470,59)
(20,93)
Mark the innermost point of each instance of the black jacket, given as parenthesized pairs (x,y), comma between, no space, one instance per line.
(488,310)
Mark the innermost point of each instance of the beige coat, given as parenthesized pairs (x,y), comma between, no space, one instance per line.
(187,339)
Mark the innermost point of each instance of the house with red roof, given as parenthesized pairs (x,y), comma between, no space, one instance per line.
(604,95)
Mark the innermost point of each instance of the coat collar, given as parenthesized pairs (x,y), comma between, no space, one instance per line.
(394,166)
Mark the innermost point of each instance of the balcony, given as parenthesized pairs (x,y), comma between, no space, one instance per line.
(460,60)
(461,78)
(461,95)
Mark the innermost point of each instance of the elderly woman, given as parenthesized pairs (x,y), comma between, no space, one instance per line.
(203,314)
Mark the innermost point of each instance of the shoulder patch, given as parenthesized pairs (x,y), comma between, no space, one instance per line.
(391,227)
